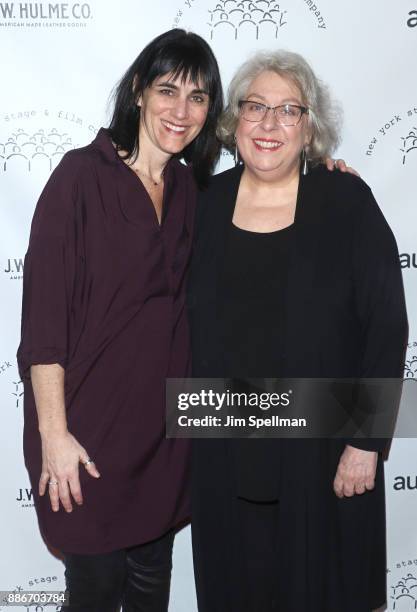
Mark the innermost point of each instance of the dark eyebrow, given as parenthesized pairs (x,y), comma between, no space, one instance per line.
(200,91)
(175,87)
(167,84)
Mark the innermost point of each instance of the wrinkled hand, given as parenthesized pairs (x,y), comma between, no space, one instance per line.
(340,164)
(61,456)
(356,472)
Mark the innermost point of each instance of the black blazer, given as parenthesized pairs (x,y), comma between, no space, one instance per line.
(345,312)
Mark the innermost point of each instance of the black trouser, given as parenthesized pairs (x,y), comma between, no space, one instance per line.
(138,578)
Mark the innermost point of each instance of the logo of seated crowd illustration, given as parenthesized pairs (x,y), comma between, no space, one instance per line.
(409,143)
(30,150)
(258,17)
(410,370)
(404,594)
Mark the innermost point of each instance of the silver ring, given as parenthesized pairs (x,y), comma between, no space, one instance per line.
(52,482)
(335,163)
(88,462)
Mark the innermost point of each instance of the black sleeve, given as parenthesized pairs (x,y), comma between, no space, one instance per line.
(380,306)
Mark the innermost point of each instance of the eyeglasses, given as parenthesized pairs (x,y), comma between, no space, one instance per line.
(285,114)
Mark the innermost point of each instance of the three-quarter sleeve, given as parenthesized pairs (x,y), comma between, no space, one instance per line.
(49,271)
(380,307)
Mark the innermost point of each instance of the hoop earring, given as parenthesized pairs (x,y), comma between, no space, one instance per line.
(304,162)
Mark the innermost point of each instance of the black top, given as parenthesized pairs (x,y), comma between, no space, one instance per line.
(251,314)
(344,304)
(253,287)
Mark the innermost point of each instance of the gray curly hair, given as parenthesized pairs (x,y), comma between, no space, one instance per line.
(324,116)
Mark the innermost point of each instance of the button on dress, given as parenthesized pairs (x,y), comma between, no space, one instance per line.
(104,296)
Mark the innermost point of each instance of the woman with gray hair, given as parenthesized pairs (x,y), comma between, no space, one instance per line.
(295,274)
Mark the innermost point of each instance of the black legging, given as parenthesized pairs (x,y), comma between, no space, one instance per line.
(138,577)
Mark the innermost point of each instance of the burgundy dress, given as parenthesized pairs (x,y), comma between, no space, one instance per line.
(104,296)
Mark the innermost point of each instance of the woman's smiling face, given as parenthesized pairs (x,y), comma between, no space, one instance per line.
(173,113)
(266,147)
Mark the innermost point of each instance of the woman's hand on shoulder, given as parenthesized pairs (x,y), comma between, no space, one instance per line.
(339,164)
(356,472)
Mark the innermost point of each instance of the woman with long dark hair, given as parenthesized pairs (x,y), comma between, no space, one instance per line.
(104,324)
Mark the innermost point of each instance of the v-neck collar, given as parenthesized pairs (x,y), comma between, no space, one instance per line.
(127,181)
(303,212)
(306,232)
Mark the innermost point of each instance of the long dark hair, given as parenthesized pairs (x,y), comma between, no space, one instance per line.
(179,53)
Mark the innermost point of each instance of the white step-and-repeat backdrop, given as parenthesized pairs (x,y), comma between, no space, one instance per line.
(59,62)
